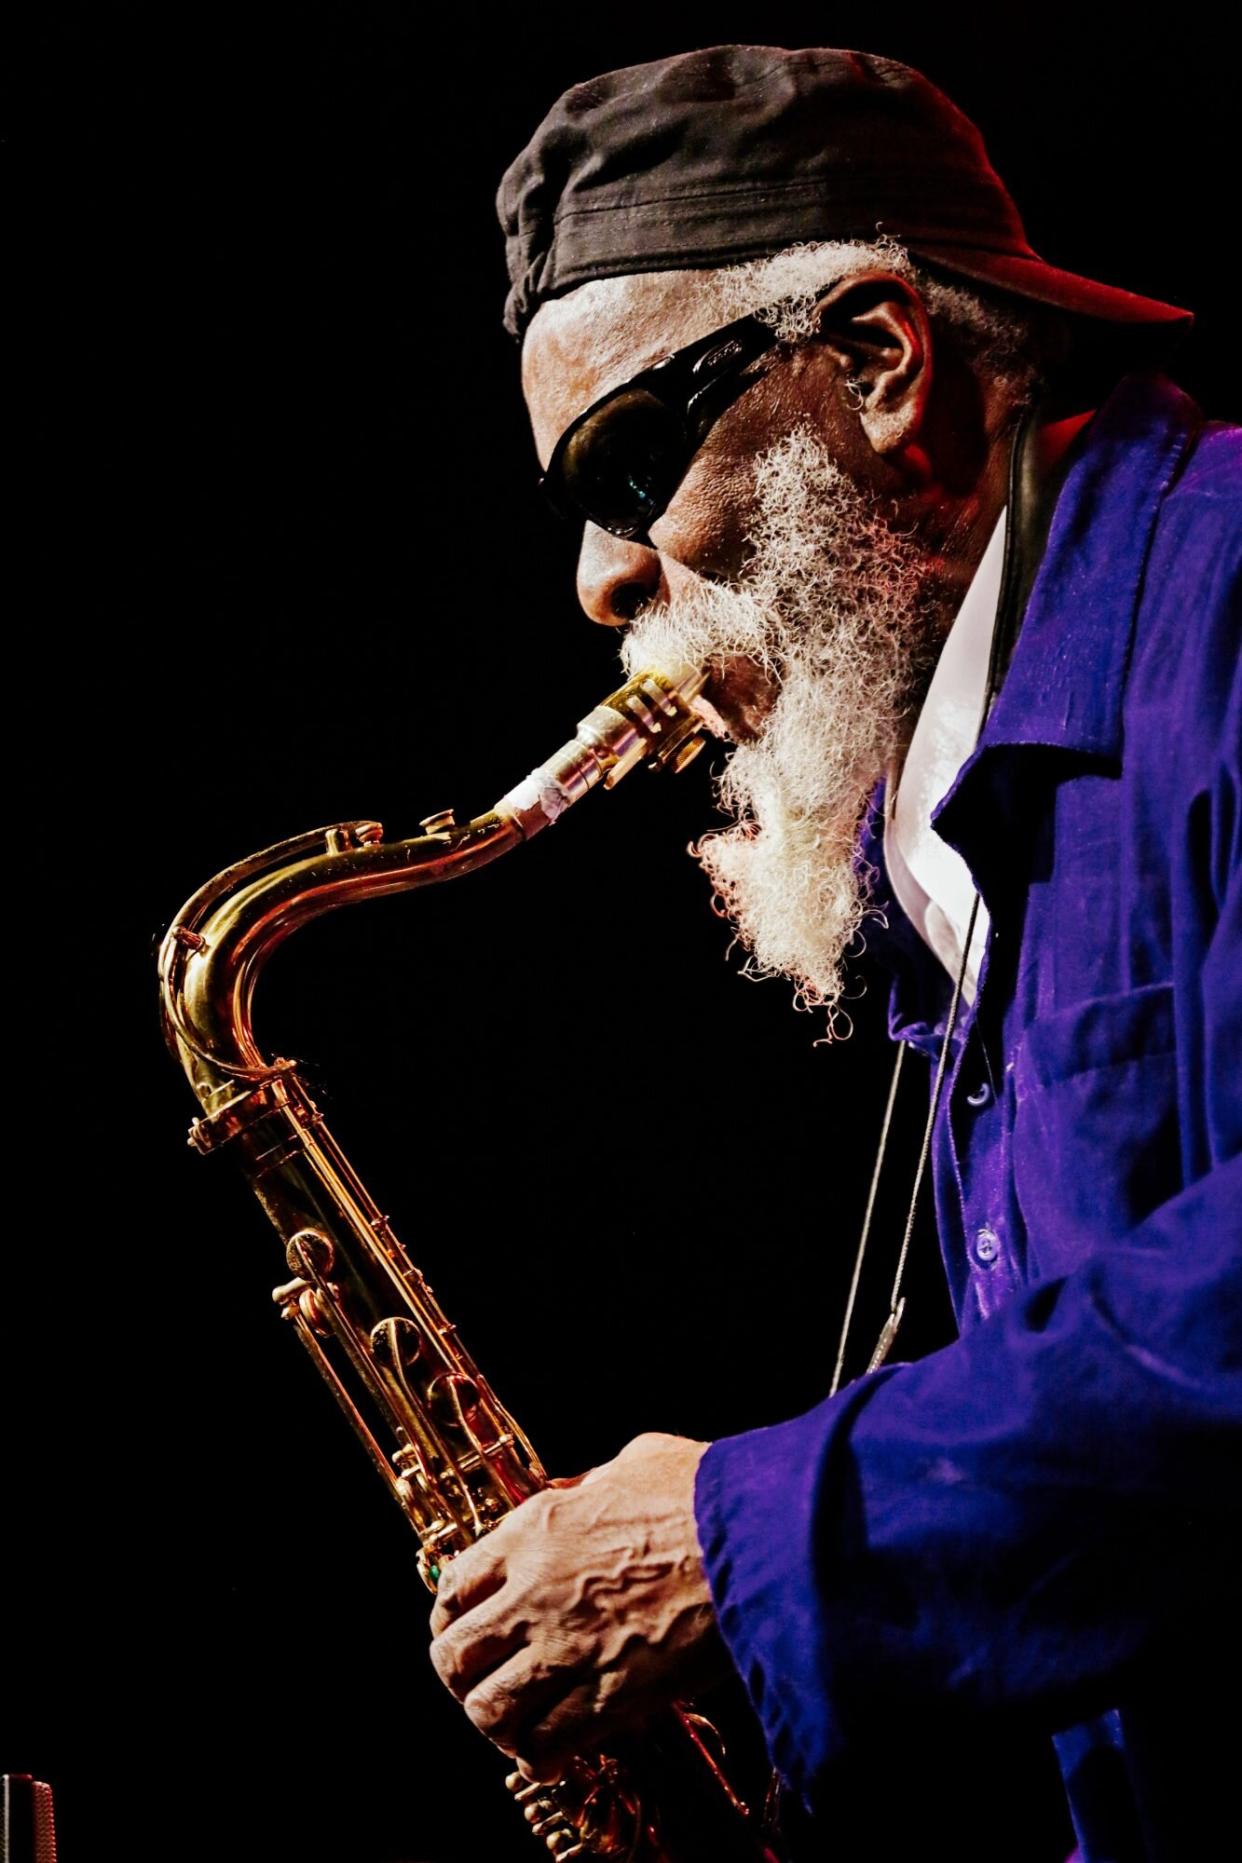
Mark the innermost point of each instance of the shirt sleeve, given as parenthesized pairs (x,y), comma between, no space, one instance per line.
(1008,1525)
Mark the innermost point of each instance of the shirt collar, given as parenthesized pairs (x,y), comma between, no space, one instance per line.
(930,879)
(1065,685)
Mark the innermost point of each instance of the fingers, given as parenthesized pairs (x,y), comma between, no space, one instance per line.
(541,1772)
(465,1581)
(578,1720)
(503,1704)
(471,1648)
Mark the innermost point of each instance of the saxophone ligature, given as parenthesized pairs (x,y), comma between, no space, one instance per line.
(453,1458)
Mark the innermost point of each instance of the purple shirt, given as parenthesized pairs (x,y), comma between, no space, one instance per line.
(1038,1525)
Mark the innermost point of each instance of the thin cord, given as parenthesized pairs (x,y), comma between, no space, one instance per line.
(865,1234)
(937,1090)
(896,1304)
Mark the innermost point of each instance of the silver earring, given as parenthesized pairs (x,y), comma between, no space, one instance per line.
(855,387)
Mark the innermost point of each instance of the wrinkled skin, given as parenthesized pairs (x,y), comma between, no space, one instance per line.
(584,1610)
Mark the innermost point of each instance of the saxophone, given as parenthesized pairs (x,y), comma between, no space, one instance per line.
(452,1457)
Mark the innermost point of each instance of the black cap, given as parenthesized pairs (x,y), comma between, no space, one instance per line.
(731,153)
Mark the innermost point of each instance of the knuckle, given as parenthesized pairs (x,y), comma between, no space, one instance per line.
(489,1709)
(648,1440)
(449,1654)
(442,1660)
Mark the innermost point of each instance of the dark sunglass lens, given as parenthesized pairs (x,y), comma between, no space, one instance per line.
(624,462)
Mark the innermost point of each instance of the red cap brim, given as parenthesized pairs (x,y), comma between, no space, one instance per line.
(1033,278)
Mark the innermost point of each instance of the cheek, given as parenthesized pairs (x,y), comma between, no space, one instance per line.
(710,524)
(707,526)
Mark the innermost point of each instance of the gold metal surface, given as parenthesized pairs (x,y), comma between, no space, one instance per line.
(451,1455)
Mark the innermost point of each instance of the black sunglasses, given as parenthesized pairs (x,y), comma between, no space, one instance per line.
(620,462)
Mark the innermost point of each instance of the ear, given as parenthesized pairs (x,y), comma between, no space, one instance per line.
(876,324)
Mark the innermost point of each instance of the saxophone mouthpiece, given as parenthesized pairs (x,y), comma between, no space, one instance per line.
(649,720)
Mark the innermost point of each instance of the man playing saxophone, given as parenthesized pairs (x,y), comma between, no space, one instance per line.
(961,565)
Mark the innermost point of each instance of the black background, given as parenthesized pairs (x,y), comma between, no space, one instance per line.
(291,568)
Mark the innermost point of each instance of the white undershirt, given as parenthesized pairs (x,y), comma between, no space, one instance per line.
(931,882)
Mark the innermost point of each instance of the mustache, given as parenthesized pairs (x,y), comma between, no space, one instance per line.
(712,620)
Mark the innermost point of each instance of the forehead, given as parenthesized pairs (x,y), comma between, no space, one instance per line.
(582,345)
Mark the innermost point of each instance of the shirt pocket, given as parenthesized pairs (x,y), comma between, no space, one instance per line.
(1095,1140)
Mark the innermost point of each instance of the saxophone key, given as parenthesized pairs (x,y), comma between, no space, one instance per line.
(395,1343)
(300,1300)
(310,1252)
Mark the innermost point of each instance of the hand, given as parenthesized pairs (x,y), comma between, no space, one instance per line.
(583,1610)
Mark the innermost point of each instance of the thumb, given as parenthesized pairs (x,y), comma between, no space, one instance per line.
(533,1775)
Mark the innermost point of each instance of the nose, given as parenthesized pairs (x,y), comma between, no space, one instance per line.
(617,577)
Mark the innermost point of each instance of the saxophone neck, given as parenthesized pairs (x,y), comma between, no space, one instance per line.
(219,942)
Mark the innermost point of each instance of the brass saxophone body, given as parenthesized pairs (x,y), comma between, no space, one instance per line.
(451,1455)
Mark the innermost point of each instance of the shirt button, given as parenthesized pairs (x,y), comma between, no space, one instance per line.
(981,1095)
(987,1246)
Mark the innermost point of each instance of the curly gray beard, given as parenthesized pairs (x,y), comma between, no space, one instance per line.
(839,609)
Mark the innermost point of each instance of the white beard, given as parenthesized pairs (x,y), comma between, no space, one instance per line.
(837,607)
